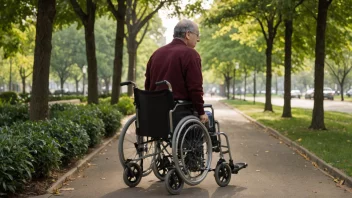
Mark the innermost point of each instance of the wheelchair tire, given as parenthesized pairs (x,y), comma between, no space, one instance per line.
(173,182)
(222,174)
(191,150)
(128,139)
(161,165)
(132,174)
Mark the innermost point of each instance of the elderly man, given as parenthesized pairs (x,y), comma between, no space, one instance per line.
(180,64)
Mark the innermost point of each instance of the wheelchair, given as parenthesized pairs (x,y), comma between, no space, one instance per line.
(177,152)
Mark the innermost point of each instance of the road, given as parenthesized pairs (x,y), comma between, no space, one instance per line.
(274,170)
(329,105)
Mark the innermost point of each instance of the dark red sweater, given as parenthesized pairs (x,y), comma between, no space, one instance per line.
(181,66)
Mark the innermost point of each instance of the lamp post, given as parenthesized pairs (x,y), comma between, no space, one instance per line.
(84,70)
(237,65)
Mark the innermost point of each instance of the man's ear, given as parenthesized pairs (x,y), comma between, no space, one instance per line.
(187,35)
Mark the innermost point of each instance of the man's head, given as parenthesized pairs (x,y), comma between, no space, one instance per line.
(188,31)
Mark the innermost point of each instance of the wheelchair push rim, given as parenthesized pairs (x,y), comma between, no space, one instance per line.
(192,150)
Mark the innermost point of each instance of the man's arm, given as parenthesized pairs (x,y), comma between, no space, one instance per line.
(194,81)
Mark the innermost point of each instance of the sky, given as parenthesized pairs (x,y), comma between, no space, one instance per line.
(169,23)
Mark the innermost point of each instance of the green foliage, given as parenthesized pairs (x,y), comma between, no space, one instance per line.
(72,138)
(88,118)
(111,118)
(125,105)
(70,97)
(10,114)
(15,166)
(43,147)
(24,97)
(9,97)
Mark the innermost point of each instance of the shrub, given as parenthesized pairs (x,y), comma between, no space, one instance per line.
(89,118)
(54,108)
(10,114)
(44,148)
(125,105)
(72,138)
(15,166)
(24,97)
(105,100)
(9,97)
(111,118)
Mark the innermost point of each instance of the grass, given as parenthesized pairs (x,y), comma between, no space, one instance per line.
(333,145)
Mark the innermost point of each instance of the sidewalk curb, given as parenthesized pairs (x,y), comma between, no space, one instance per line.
(81,163)
(319,163)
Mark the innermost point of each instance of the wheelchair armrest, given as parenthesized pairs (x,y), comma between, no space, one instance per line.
(183,102)
(207,105)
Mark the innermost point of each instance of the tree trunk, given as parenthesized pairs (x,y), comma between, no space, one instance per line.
(318,109)
(10,77)
(40,88)
(118,63)
(245,88)
(92,63)
(269,49)
(62,85)
(132,51)
(77,81)
(254,85)
(233,84)
(287,85)
(23,84)
(342,89)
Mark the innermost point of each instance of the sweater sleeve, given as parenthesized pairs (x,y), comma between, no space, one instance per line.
(194,81)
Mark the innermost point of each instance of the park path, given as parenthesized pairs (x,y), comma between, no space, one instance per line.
(274,170)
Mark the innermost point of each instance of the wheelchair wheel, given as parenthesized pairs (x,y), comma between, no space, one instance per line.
(132,174)
(132,147)
(161,163)
(192,150)
(173,182)
(222,174)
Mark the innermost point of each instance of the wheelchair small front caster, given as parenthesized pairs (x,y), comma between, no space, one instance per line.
(223,174)
(132,174)
(173,182)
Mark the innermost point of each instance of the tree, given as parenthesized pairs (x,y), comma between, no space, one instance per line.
(119,15)
(46,11)
(318,109)
(341,69)
(65,42)
(88,20)
(266,14)
(289,9)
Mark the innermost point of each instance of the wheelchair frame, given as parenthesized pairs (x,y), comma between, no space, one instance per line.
(134,172)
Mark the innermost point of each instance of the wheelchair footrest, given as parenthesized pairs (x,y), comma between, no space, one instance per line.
(237,167)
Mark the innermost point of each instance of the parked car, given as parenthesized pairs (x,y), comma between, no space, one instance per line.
(296,93)
(309,94)
(328,93)
(349,93)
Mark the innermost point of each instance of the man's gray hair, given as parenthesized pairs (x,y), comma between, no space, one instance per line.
(182,27)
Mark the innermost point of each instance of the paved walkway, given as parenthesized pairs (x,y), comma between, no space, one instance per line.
(274,170)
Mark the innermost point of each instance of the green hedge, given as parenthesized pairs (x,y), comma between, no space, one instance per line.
(43,147)
(9,97)
(10,114)
(125,105)
(111,118)
(15,166)
(88,117)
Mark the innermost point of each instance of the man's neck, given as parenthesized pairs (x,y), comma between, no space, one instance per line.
(182,39)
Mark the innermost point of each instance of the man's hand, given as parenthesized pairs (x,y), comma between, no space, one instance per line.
(204,118)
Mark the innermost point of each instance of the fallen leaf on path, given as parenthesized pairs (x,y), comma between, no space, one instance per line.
(267,151)
(257,170)
(103,178)
(300,139)
(66,189)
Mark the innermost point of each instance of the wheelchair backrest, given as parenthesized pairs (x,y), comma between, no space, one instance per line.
(152,109)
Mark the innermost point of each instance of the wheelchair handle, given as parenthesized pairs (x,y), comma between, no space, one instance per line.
(164,82)
(128,83)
